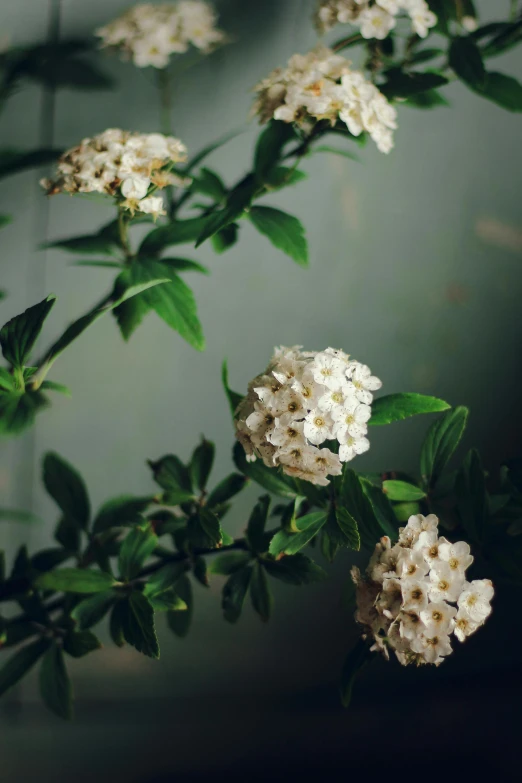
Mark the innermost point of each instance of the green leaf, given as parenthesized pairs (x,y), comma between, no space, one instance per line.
(201,463)
(55,686)
(137,547)
(123,511)
(349,528)
(283,177)
(423,55)
(137,622)
(164,579)
(116,623)
(65,485)
(47,559)
(15,515)
(210,184)
(89,244)
(13,161)
(92,610)
(56,387)
(80,643)
(260,594)
(78,327)
(268,478)
(229,562)
(4,221)
(504,90)
(168,601)
(70,72)
(99,264)
(396,407)
(382,508)
(270,145)
(7,382)
(429,99)
(75,580)
(18,410)
(506,36)
(402,84)
(466,60)
(200,571)
(225,238)
(238,200)
(18,336)
(353,499)
(255,533)
(283,230)
(19,664)
(234,593)
(184,265)
(352,666)
(442,439)
(295,570)
(179,622)
(204,530)
(226,489)
(470,489)
(177,232)
(401,490)
(336,151)
(174,477)
(290,543)
(233,397)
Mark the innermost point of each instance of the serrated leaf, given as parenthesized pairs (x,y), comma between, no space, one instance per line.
(67,488)
(201,463)
(204,530)
(55,686)
(19,664)
(177,232)
(136,548)
(80,643)
(401,490)
(284,231)
(382,508)
(268,478)
(290,543)
(238,200)
(260,593)
(229,562)
(92,610)
(255,532)
(233,397)
(442,439)
(396,407)
(18,336)
(466,60)
(354,500)
(171,474)
(234,593)
(164,579)
(226,489)
(75,580)
(18,410)
(185,265)
(295,570)
(137,621)
(123,511)
(167,601)
(179,622)
(349,528)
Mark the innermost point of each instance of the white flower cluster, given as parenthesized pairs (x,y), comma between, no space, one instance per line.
(150,33)
(301,400)
(123,165)
(375,19)
(320,86)
(406,601)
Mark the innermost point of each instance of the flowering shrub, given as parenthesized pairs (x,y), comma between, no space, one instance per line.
(305,419)
(150,33)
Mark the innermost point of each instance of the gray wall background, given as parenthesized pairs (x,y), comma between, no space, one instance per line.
(415,270)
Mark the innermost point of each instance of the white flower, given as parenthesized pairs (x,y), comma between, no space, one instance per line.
(152,205)
(469,23)
(446,584)
(289,409)
(428,543)
(135,186)
(475,599)
(362,382)
(375,22)
(422,19)
(432,645)
(457,556)
(412,565)
(151,32)
(321,86)
(318,426)
(464,626)
(414,594)
(416,525)
(439,614)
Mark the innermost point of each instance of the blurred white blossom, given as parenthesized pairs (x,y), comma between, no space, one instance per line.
(321,86)
(303,399)
(406,600)
(127,166)
(375,19)
(150,33)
